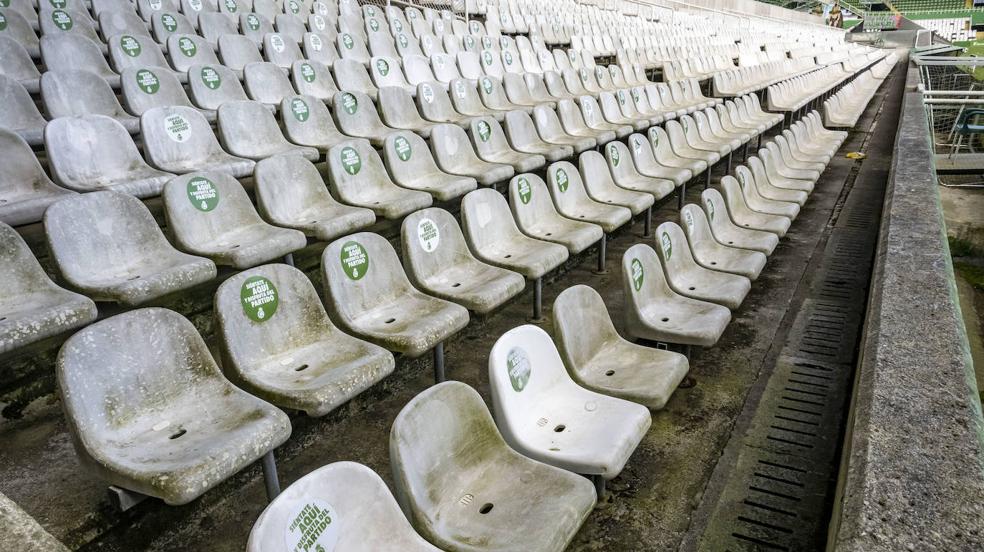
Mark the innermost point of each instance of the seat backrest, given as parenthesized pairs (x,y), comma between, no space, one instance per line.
(582,325)
(643,280)
(673,248)
(204,205)
(68,21)
(127,51)
(516,90)
(486,219)
(17,63)
(469,65)
(353,76)
(530,200)
(164,24)
(213,85)
(524,369)
(238,51)
(385,71)
(215,24)
(417,69)
(177,134)
(407,44)
(487,136)
(361,272)
(434,103)
(145,88)
(88,151)
(307,121)
(355,167)
(70,92)
(695,224)
(356,114)
(445,67)
(432,243)
(352,46)
(21,169)
(319,46)
(72,51)
(186,51)
(254,26)
(281,50)
(266,83)
(311,78)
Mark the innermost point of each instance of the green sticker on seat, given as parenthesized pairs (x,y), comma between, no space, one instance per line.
(524,189)
(621,97)
(563,181)
(295,8)
(351,161)
(350,103)
(211,78)
(484,131)
(203,194)
(347,41)
(300,109)
(487,57)
(654,138)
(374,25)
(614,155)
(519,369)
(584,75)
(148,82)
(371,11)
(402,148)
(487,85)
(60,4)
(710,209)
(398,25)
(741,179)
(62,20)
(187,46)
(383,67)
(4,3)
(169,22)
(469,41)
(474,26)
(259,298)
(130,45)
(427,93)
(253,22)
(231,6)
(177,128)
(667,245)
(402,39)
(155,5)
(486,42)
(688,218)
(3,22)
(635,95)
(638,274)
(637,145)
(508,57)
(307,72)
(313,526)
(355,260)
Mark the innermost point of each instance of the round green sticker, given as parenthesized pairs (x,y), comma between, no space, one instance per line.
(427,92)
(300,109)
(231,6)
(350,103)
(654,138)
(203,194)
(667,245)
(319,23)
(347,41)
(402,147)
(402,39)
(371,11)
(4,3)
(295,8)
(374,25)
(307,72)
(383,67)
(637,145)
(169,22)
(584,75)
(635,95)
(614,155)
(487,57)
(351,161)
(524,189)
(259,298)
(211,78)
(148,82)
(3,22)
(60,4)
(130,45)
(253,22)
(474,26)
(638,274)
(469,41)
(487,85)
(688,218)
(187,46)
(508,57)
(61,19)
(563,181)
(741,179)
(398,25)
(195,4)
(355,260)
(519,369)
(621,97)
(486,42)
(484,131)
(710,209)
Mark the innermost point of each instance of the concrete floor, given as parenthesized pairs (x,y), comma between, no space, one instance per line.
(651,503)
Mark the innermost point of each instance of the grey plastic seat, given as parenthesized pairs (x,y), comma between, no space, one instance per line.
(19,114)
(320,47)
(266,83)
(165,24)
(688,278)
(69,93)
(358,177)
(368,294)
(108,246)
(665,154)
(455,154)
(211,86)
(212,25)
(94,152)
(654,311)
(187,51)
(307,122)
(354,77)
(644,161)
(209,214)
(311,78)
(147,9)
(523,137)
(33,307)
(573,124)
(370,517)
(281,50)
(709,253)
(549,128)
(69,21)
(439,263)
(352,46)
(180,140)
(128,51)
(15,26)
(386,71)
(236,52)
(491,145)
(254,26)
(417,69)
(746,217)
(435,105)
(729,232)
(613,107)
(411,165)
(537,217)
(248,129)
(601,187)
(529,382)
(25,190)
(494,97)
(430,479)
(752,190)
(70,51)
(445,68)
(145,88)
(179,428)
(626,175)
(518,93)
(357,117)
(770,185)
(291,25)
(572,200)
(598,358)
(397,110)
(17,64)
(465,99)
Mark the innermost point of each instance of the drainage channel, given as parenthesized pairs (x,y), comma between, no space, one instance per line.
(778,491)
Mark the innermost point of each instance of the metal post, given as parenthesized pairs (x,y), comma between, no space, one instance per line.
(439,363)
(707,180)
(729,162)
(647,228)
(602,248)
(599,483)
(270,476)
(289,259)
(537,301)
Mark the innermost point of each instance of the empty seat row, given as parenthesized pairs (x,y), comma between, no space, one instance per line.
(844,108)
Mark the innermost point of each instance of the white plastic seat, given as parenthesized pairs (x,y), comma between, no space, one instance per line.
(626,175)
(128,51)
(417,69)
(439,263)
(281,50)
(70,51)
(517,92)
(601,187)
(254,26)
(353,47)
(247,129)
(210,86)
(74,92)
(688,278)
(397,110)
(431,477)
(354,77)
(19,114)
(773,186)
(445,68)
(411,165)
(15,26)
(455,154)
(25,189)
(644,160)
(599,359)
(368,293)
(320,47)
(180,140)
(752,190)
(729,232)
(491,145)
(180,428)
(665,154)
(358,177)
(494,96)
(585,432)
(164,24)
(267,83)
(363,513)
(17,64)
(550,129)
(435,105)
(613,110)
(572,200)
(69,21)
(711,254)
(290,25)
(313,79)
(238,51)
(594,119)
(466,100)
(746,217)
(108,246)
(537,217)
(357,117)
(307,122)
(145,88)
(212,25)
(654,311)
(523,136)
(187,51)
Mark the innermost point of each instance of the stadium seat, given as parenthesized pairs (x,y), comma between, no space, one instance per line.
(357,117)
(746,217)
(319,47)
(179,428)
(409,161)
(279,344)
(307,122)
(75,92)
(711,254)
(386,71)
(146,88)
(291,26)
(429,479)
(529,382)
(550,129)
(368,294)
(238,51)
(68,21)
(537,217)
(524,138)
(688,278)
(599,359)
(34,308)
(212,25)
(210,215)
(594,118)
(266,83)
(666,154)
(128,51)
(730,232)
(491,145)
(598,182)
(773,186)
(614,112)
(150,8)
(454,153)
(254,26)
(19,114)
(656,312)
(73,51)
(164,24)
(25,189)
(752,190)
(435,105)
(351,500)
(439,263)
(780,174)
(281,50)
(94,152)
(248,129)
(572,200)
(180,140)
(311,78)
(210,86)
(358,177)
(466,101)
(645,162)
(417,69)
(626,175)
(16,63)
(187,51)
(494,96)
(397,110)
(108,246)
(16,27)
(352,46)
